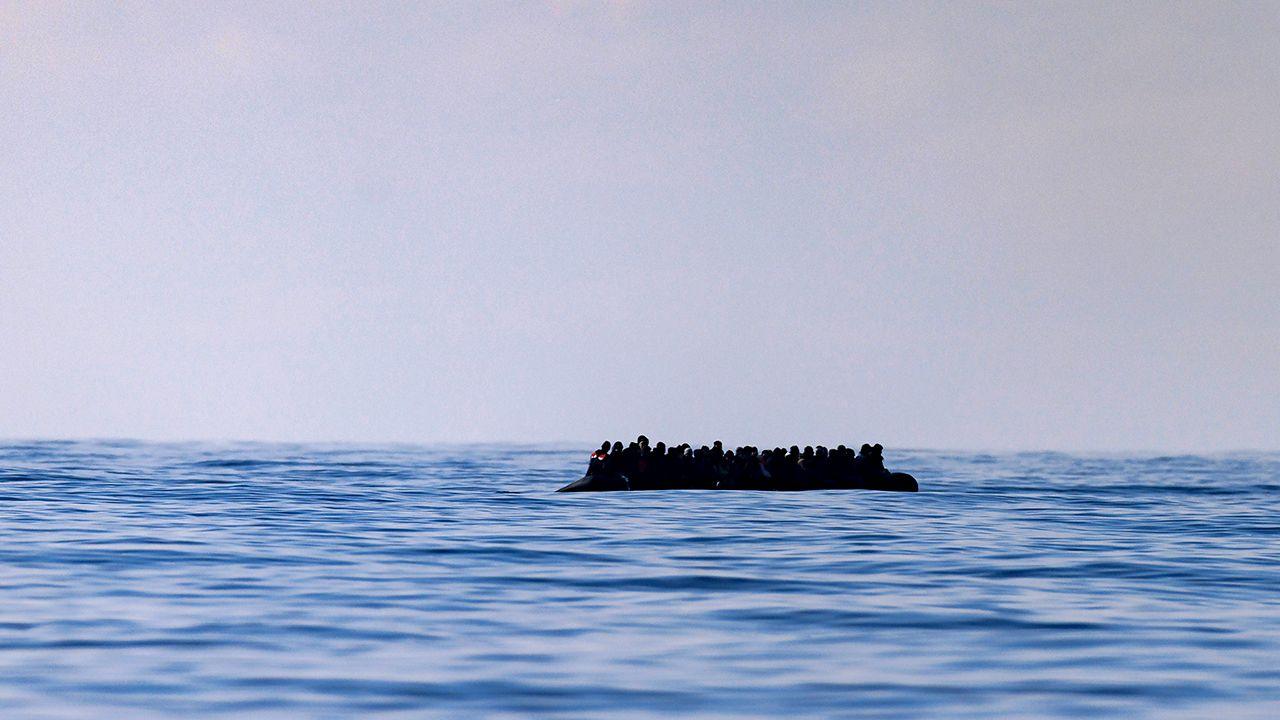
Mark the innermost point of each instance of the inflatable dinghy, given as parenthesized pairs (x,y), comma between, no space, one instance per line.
(604,482)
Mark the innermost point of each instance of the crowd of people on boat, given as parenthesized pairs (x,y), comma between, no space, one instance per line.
(746,467)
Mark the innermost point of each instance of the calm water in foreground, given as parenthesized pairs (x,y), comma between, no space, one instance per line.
(201,580)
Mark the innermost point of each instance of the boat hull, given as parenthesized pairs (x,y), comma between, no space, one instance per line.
(892,482)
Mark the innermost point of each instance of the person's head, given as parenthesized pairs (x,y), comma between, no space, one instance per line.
(865,449)
(795,449)
(808,451)
(604,446)
(822,451)
(728,456)
(718,445)
(660,448)
(617,447)
(642,441)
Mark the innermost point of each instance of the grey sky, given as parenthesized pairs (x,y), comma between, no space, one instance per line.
(1021,225)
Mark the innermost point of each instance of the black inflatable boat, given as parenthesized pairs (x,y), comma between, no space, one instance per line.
(615,482)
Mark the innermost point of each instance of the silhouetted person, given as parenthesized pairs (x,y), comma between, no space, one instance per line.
(630,459)
(821,469)
(613,460)
(870,461)
(598,458)
(724,469)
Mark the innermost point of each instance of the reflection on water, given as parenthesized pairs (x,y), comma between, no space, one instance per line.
(308,580)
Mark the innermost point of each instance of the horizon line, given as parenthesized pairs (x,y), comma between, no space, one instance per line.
(1008,450)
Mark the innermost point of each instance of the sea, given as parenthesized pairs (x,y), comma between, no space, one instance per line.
(234,580)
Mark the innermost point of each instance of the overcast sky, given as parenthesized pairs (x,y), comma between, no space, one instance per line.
(1024,225)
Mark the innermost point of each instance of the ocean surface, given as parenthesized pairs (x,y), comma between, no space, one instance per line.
(263,580)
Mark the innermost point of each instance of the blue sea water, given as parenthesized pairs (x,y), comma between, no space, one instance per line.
(255,580)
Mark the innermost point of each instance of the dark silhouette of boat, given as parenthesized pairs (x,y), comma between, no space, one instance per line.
(616,482)
(614,468)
